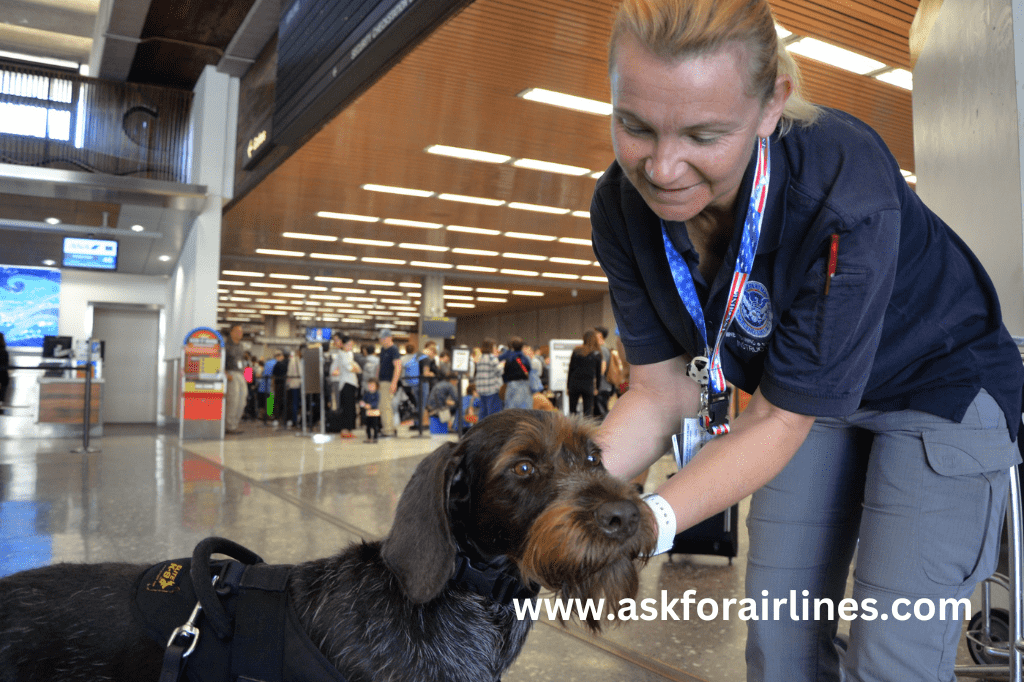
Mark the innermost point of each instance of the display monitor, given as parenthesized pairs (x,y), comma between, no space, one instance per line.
(318,333)
(94,254)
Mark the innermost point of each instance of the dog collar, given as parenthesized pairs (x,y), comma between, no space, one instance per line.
(497,579)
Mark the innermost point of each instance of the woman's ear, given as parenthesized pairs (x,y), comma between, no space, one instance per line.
(776,104)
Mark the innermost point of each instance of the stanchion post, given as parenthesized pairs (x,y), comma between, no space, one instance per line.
(88,405)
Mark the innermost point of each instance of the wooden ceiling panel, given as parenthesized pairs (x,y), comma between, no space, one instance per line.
(459,88)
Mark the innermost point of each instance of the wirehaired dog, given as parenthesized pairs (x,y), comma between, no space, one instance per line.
(522,498)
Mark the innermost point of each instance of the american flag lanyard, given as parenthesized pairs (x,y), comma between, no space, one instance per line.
(706,369)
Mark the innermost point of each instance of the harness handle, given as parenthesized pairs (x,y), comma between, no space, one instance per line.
(202,579)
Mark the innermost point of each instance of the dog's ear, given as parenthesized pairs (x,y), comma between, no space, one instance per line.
(420,549)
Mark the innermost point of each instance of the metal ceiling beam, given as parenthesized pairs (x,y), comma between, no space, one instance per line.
(116,36)
(256,30)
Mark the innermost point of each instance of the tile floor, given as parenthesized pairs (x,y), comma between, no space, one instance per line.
(144,497)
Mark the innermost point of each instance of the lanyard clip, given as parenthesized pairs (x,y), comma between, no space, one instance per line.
(698,369)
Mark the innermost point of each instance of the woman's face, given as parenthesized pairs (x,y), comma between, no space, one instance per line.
(684,130)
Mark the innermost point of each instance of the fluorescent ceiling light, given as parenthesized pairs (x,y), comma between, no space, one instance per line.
(412,223)
(275,275)
(912,179)
(342,280)
(471,200)
(348,290)
(521,273)
(781,32)
(398,190)
(429,264)
(469,154)
(274,312)
(475,252)
(597,175)
(835,56)
(574,240)
(460,305)
(520,292)
(232,283)
(267,285)
(593,278)
(524,256)
(405,314)
(581,214)
(367,242)
(267,300)
(487,290)
(456,297)
(325,297)
(377,282)
(248,292)
(382,261)
(901,78)
(410,285)
(530,235)
(569,261)
(404,323)
(332,256)
(475,268)
(491,300)
(137,228)
(472,230)
(360,299)
(423,247)
(313,237)
(288,294)
(560,99)
(241,273)
(559,275)
(537,208)
(534,164)
(239,299)
(48,61)
(281,252)
(347,216)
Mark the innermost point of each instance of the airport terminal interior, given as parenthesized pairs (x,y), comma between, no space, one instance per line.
(298,168)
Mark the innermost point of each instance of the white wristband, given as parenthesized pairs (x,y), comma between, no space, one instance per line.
(666,519)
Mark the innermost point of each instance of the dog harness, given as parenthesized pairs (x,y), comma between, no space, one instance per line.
(251,632)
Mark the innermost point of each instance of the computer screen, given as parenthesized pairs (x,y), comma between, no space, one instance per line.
(94,254)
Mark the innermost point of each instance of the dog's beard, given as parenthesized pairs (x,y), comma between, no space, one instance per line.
(566,553)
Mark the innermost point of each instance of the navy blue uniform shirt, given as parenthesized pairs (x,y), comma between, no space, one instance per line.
(910,321)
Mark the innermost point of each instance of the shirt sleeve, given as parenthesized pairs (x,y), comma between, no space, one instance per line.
(823,349)
(644,336)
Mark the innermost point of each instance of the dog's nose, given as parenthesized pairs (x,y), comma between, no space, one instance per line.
(618,520)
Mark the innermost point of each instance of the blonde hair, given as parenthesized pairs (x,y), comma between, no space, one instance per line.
(679,29)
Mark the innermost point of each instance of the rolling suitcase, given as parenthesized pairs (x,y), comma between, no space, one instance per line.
(717,536)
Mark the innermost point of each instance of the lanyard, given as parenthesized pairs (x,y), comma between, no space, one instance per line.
(707,369)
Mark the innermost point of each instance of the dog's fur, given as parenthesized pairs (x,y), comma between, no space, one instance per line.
(522,484)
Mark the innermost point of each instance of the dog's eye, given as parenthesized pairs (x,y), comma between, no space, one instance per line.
(523,469)
(593,459)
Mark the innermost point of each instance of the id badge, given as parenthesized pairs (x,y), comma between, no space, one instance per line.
(686,443)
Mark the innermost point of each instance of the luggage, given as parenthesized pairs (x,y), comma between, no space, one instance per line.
(717,536)
(332,421)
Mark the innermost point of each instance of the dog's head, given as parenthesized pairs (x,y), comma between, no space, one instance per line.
(530,486)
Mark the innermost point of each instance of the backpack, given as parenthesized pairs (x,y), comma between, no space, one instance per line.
(411,370)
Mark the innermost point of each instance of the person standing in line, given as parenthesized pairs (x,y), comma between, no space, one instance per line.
(516,376)
(349,393)
(334,382)
(371,409)
(584,374)
(388,373)
(604,387)
(234,404)
(488,379)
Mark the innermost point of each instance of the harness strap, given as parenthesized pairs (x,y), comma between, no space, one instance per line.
(259,621)
(493,580)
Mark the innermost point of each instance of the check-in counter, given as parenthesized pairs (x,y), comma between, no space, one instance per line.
(49,407)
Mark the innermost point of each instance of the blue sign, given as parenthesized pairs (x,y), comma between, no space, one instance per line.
(29,305)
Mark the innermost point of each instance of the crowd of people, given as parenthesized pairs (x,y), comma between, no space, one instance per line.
(381,389)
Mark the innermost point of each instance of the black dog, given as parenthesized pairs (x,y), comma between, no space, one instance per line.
(523,496)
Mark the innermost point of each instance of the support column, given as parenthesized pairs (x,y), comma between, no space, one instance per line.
(431,305)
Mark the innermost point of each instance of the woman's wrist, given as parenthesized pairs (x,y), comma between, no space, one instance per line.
(666,520)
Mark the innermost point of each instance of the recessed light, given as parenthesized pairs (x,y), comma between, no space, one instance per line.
(537,208)
(422,247)
(574,240)
(472,230)
(534,164)
(523,256)
(48,261)
(521,273)
(137,228)
(475,268)
(367,242)
(332,256)
(468,154)
(313,237)
(471,200)
(165,258)
(281,252)
(412,223)
(569,261)
(387,189)
(382,261)
(347,216)
(52,221)
(530,235)
(475,252)
(429,264)
(560,99)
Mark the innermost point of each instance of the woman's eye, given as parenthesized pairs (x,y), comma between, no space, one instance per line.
(632,129)
(523,469)
(705,139)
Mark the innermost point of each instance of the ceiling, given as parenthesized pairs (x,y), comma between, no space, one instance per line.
(458,88)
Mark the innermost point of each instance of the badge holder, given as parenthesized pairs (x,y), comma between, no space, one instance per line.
(711,420)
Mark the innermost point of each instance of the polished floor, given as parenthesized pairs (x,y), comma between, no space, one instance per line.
(144,497)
